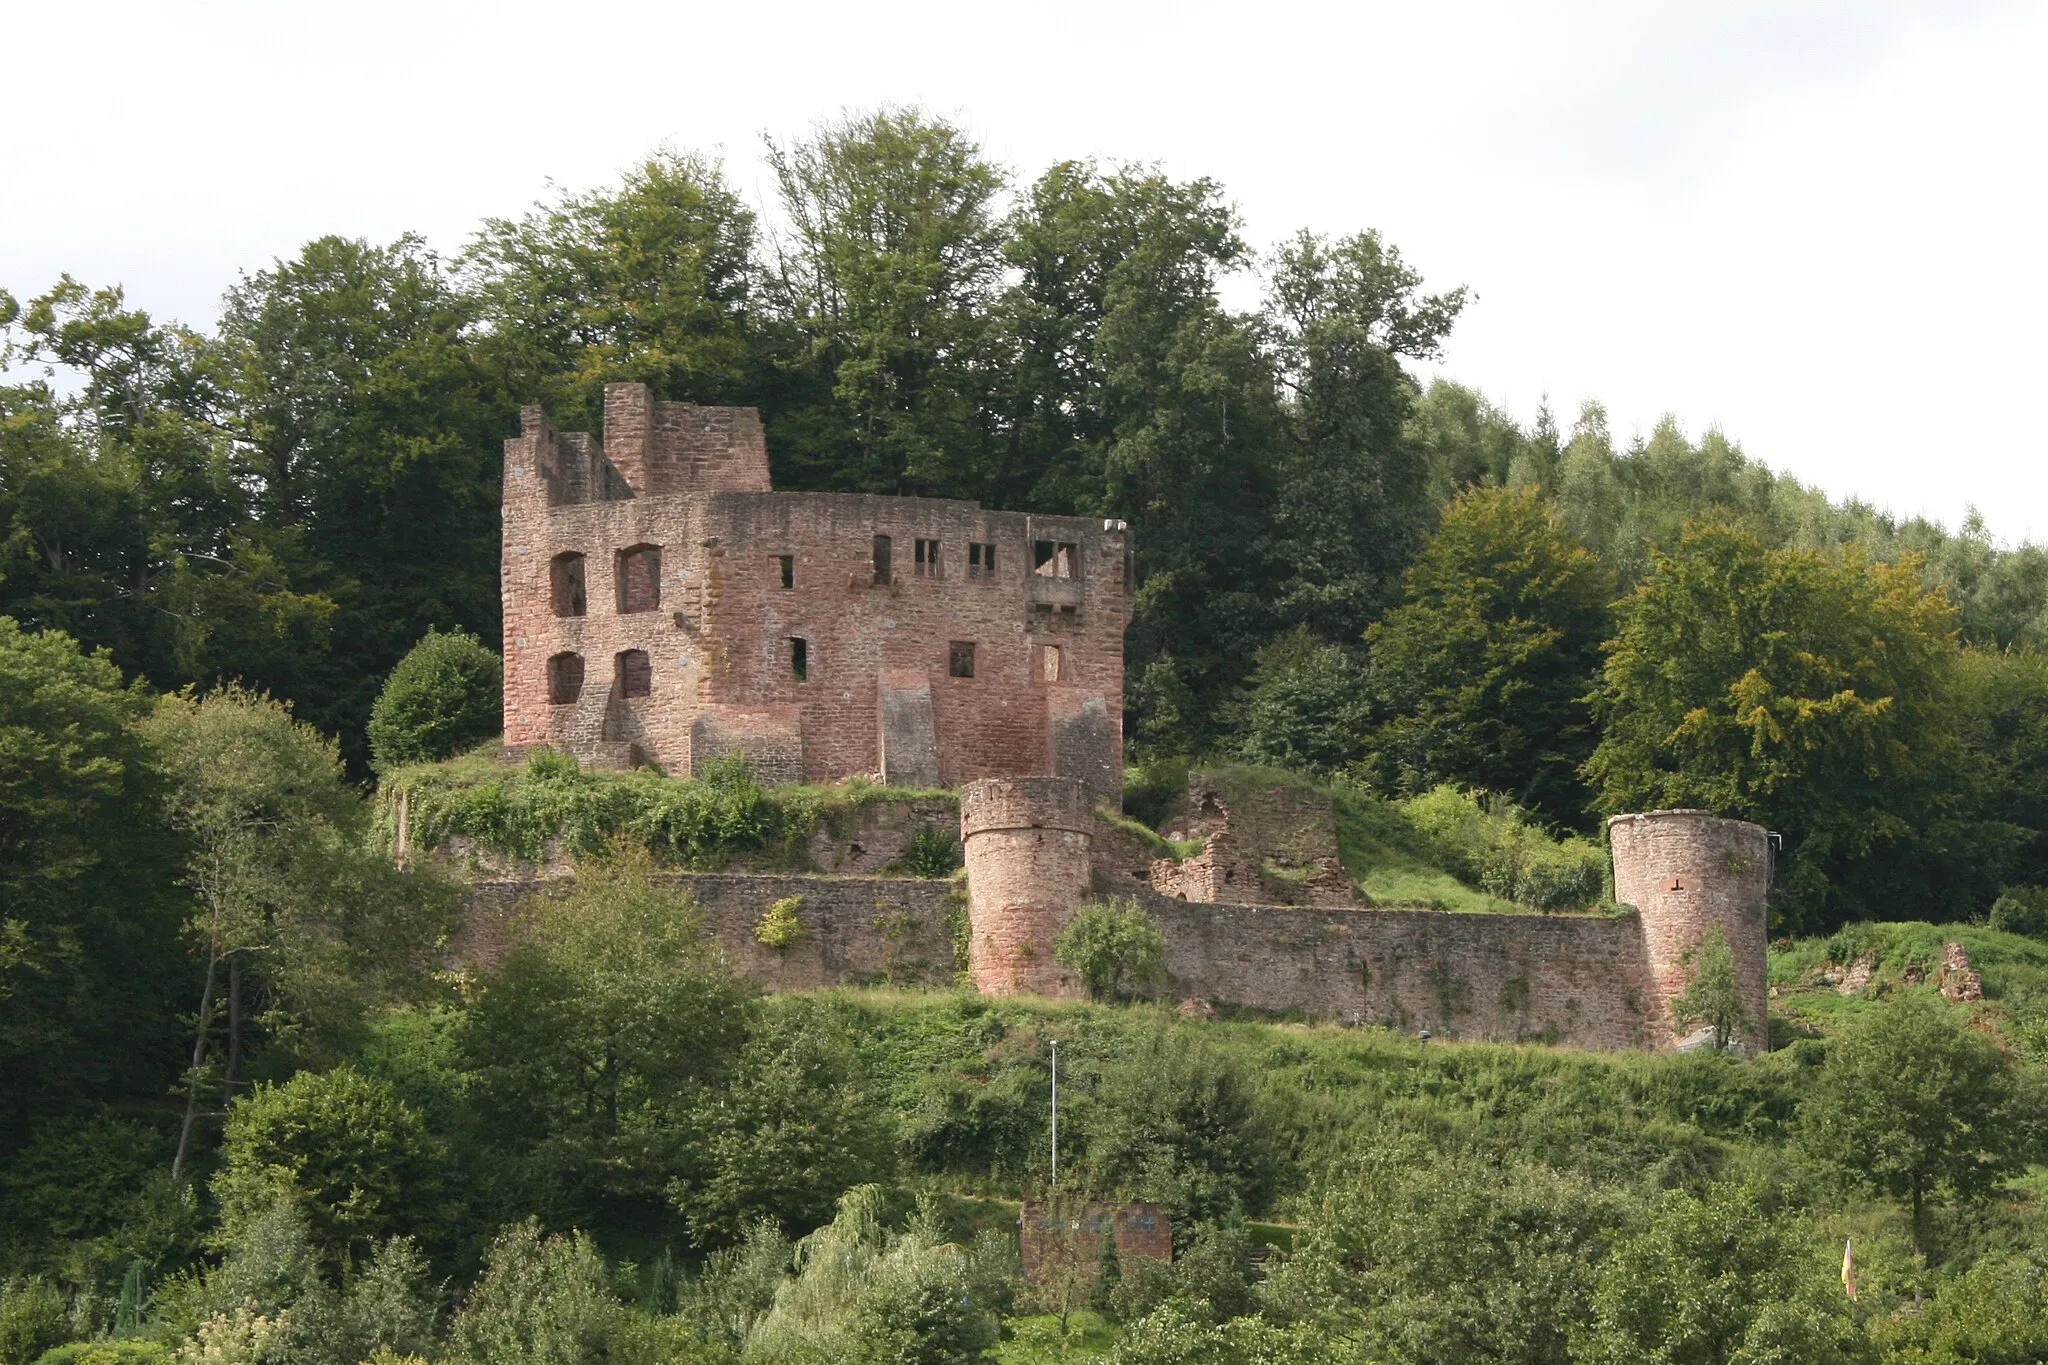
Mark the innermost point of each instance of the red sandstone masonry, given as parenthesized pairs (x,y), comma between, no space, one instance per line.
(1026,842)
(692,481)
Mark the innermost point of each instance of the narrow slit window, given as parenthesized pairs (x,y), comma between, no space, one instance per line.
(960,659)
(927,558)
(799,658)
(565,583)
(787,563)
(565,678)
(981,560)
(881,560)
(1051,667)
(639,571)
(636,673)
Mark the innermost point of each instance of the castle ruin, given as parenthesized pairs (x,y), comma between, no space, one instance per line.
(662,604)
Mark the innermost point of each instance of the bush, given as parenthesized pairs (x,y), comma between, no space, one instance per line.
(540,1301)
(108,1352)
(1489,842)
(443,697)
(778,926)
(360,1156)
(32,1319)
(932,853)
(2021,910)
(1110,943)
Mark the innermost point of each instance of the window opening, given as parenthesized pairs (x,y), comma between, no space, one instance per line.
(636,673)
(1050,666)
(565,678)
(960,659)
(927,559)
(640,579)
(799,658)
(881,560)
(565,580)
(788,571)
(1054,558)
(981,560)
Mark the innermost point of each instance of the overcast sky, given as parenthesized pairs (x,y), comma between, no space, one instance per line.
(1818,226)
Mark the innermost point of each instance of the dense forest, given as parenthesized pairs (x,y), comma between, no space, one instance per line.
(246,1114)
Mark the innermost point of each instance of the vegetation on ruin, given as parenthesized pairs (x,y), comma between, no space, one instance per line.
(551,808)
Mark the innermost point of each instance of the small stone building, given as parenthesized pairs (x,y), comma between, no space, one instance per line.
(663,604)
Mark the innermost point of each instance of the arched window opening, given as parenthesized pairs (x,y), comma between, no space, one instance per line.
(640,579)
(565,581)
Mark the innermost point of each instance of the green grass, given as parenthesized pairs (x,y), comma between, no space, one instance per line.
(1034,1339)
(1380,851)
(2011,966)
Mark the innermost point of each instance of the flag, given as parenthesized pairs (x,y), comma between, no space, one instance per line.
(1849,1267)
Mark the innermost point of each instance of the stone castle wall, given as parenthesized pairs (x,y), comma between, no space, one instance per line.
(759,622)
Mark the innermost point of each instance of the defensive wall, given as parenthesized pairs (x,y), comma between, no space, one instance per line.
(1035,851)
(662,604)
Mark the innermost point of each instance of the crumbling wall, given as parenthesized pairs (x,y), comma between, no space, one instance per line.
(1266,843)
(857,930)
(1575,979)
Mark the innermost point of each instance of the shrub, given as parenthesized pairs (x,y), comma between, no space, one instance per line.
(778,926)
(32,1319)
(1112,942)
(1491,843)
(443,697)
(931,853)
(540,1301)
(359,1155)
(2021,910)
(112,1351)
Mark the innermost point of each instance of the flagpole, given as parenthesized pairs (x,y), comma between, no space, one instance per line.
(1055,1113)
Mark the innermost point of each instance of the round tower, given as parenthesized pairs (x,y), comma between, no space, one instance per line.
(1685,871)
(1026,841)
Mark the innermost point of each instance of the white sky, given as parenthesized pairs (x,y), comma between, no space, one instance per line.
(1817,225)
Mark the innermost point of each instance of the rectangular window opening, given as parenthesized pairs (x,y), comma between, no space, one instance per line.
(1051,667)
(960,659)
(1054,558)
(881,560)
(799,658)
(636,673)
(927,558)
(788,571)
(981,560)
(639,575)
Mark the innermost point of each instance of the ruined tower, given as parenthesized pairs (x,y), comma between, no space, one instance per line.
(1027,842)
(1686,871)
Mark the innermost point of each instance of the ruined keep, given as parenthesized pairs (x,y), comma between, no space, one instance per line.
(663,604)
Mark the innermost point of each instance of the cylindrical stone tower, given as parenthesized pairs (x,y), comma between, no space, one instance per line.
(1684,871)
(1026,841)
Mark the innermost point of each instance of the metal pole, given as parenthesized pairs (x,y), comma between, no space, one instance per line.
(1055,1113)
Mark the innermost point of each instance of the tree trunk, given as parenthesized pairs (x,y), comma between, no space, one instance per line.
(234,1070)
(198,1059)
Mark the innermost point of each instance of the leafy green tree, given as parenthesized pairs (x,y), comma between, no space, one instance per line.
(1911,1104)
(1484,667)
(542,1300)
(794,1128)
(1806,690)
(1111,943)
(444,696)
(1994,1312)
(90,962)
(1305,706)
(292,903)
(596,1039)
(1712,996)
(1425,1256)
(893,256)
(1721,1278)
(1354,489)
(373,431)
(358,1155)
(653,280)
